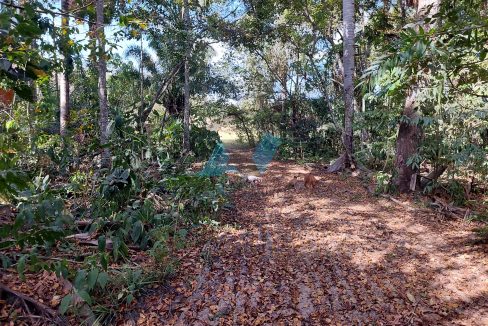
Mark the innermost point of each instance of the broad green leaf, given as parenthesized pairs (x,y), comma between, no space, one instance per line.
(79,281)
(102,243)
(137,229)
(92,278)
(102,279)
(85,296)
(21,267)
(65,302)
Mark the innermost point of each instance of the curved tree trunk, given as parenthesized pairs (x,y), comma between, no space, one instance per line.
(162,88)
(102,87)
(433,175)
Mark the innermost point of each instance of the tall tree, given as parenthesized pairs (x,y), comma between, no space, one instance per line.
(186,113)
(348,63)
(409,132)
(347,159)
(64,75)
(102,85)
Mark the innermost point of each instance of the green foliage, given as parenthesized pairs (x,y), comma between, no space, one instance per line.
(203,142)
(457,192)
(196,198)
(115,183)
(21,61)
(383,182)
(12,179)
(439,60)
(41,219)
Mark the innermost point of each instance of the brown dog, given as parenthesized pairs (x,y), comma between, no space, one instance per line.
(310,181)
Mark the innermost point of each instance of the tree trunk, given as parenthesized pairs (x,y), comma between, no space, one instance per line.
(346,160)
(64,76)
(348,63)
(141,72)
(102,87)
(408,140)
(186,114)
(409,133)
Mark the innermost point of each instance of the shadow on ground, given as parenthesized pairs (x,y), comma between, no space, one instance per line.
(332,255)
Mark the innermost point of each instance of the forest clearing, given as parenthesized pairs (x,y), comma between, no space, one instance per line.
(243,162)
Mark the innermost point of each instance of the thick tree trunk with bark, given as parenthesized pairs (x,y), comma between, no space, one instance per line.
(102,86)
(186,114)
(408,140)
(64,76)
(409,133)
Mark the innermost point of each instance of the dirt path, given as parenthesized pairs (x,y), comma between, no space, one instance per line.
(333,255)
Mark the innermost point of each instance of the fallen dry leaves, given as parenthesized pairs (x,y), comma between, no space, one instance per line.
(334,255)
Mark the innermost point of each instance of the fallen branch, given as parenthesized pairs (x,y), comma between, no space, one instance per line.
(396,201)
(448,209)
(38,307)
(432,176)
(86,239)
(343,162)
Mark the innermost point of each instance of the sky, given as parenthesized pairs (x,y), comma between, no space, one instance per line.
(119,47)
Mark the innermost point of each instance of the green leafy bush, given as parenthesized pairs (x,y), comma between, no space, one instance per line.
(197,198)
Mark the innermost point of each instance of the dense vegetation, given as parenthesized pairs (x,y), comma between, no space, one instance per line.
(106,106)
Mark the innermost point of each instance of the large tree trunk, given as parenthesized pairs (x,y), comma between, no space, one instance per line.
(348,62)
(408,140)
(186,114)
(409,133)
(64,76)
(102,87)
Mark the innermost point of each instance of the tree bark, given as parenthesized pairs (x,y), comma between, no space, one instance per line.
(348,63)
(102,86)
(408,140)
(409,133)
(186,113)
(346,160)
(64,75)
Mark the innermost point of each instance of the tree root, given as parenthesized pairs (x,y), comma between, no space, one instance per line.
(343,162)
(33,306)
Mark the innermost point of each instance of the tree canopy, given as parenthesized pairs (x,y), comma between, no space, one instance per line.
(108,109)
